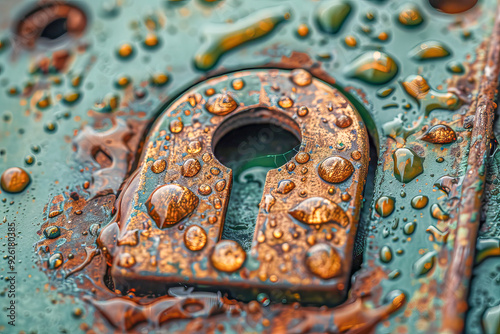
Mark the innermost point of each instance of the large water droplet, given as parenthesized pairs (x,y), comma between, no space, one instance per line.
(373,67)
(439,134)
(419,202)
(385,205)
(331,15)
(52,232)
(221,104)
(228,256)
(423,265)
(385,254)
(170,203)
(317,210)
(407,164)
(285,186)
(55,261)
(195,238)
(323,261)
(335,169)
(301,77)
(14,180)
(190,167)
(429,50)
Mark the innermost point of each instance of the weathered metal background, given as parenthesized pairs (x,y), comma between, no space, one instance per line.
(76,112)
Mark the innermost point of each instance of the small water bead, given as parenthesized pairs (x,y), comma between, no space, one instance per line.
(385,205)
(123,81)
(206,157)
(317,211)
(440,159)
(217,203)
(373,67)
(190,167)
(290,166)
(285,102)
(323,261)
(228,256)
(55,261)
(301,77)
(195,238)
(345,197)
(455,67)
(277,233)
(44,102)
(285,186)
(210,92)
(125,50)
(52,232)
(438,212)
(385,254)
(383,36)
(204,189)
(151,41)
(350,41)
(439,134)
(238,84)
(14,180)
(220,185)
(170,203)
(410,16)
(419,202)
(176,126)
(302,30)
(409,228)
(194,147)
(356,155)
(126,260)
(221,104)
(423,265)
(29,159)
(158,166)
(343,121)
(214,171)
(302,157)
(407,164)
(429,50)
(335,169)
(302,111)
(159,79)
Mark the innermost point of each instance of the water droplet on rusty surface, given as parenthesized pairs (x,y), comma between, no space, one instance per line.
(55,261)
(14,180)
(221,104)
(343,121)
(170,203)
(453,6)
(423,265)
(350,41)
(438,212)
(439,134)
(318,210)
(125,50)
(285,186)
(194,146)
(269,201)
(151,41)
(429,50)
(204,190)
(385,254)
(220,185)
(301,77)
(238,84)
(290,166)
(159,79)
(302,30)
(126,260)
(52,232)
(356,155)
(419,202)
(409,228)
(158,166)
(410,16)
(195,238)
(330,16)
(303,111)
(285,102)
(228,256)
(277,233)
(385,205)
(373,67)
(176,126)
(302,157)
(407,164)
(190,167)
(335,169)
(323,261)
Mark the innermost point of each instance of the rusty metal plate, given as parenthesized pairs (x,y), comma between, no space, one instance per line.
(118,209)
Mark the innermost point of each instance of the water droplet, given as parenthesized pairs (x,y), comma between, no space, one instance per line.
(221,104)
(439,236)
(429,50)
(407,164)
(125,50)
(290,166)
(453,6)
(52,232)
(220,185)
(194,147)
(356,155)
(159,79)
(176,126)
(438,212)
(446,183)
(385,205)
(301,77)
(122,81)
(285,186)
(158,166)
(343,121)
(44,101)
(94,229)
(335,169)
(410,16)
(487,247)
(195,238)
(419,202)
(126,260)
(302,157)
(14,180)
(277,233)
(430,99)
(385,254)
(302,30)
(151,41)
(345,196)
(303,111)
(285,102)
(350,41)
(373,67)
(455,67)
(206,157)
(317,210)
(214,171)
(263,299)
(409,228)
(190,167)
(55,261)
(204,190)
(269,201)
(228,256)
(439,134)
(170,203)
(385,92)
(423,265)
(323,261)
(330,16)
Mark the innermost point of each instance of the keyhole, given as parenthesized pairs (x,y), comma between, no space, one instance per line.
(55,29)
(251,150)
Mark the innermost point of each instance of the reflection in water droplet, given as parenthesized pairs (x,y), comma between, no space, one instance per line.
(409,228)
(343,121)
(335,169)
(285,186)
(221,104)
(190,167)
(159,79)
(419,202)
(228,256)
(194,146)
(455,67)
(125,50)
(302,30)
(407,164)
(204,190)
(350,41)
(176,126)
(429,99)
(439,236)
(303,111)
(439,134)
(323,261)
(158,166)
(410,16)
(14,180)
(385,205)
(429,50)
(438,212)
(423,265)
(317,210)
(220,185)
(285,102)
(374,67)
(386,254)
(331,15)
(170,203)
(301,77)
(302,157)
(195,238)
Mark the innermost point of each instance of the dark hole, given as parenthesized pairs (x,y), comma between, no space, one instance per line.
(102,158)
(251,151)
(55,29)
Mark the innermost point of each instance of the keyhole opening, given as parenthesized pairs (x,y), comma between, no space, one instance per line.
(55,29)
(251,146)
